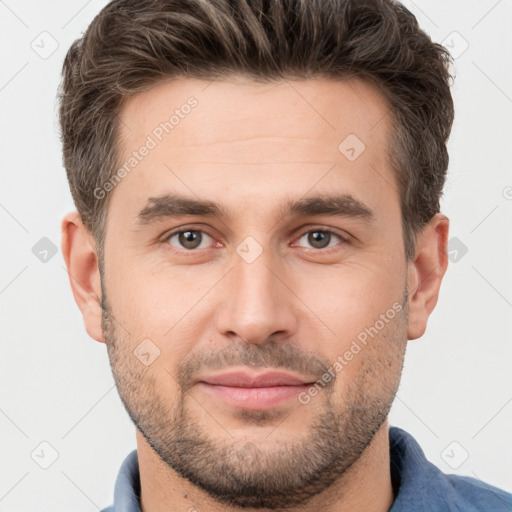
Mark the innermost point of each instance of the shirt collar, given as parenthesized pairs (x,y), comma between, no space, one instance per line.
(127,488)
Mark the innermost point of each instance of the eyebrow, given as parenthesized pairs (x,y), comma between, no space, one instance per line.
(172,205)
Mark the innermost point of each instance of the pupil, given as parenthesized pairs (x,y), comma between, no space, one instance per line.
(317,239)
(189,239)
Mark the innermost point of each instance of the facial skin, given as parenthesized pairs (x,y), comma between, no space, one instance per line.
(251,148)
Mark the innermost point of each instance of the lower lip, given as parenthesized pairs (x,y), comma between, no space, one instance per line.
(255,398)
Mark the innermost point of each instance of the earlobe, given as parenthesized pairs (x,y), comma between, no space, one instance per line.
(82,265)
(426,273)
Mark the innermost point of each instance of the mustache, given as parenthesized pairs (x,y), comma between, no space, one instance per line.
(271,354)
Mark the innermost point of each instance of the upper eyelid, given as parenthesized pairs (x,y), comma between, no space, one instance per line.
(326,230)
(184,229)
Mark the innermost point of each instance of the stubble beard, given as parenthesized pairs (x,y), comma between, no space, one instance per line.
(261,473)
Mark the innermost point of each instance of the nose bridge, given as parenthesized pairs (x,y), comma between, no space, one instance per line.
(256,304)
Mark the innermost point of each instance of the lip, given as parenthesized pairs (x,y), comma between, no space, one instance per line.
(248,390)
(244,379)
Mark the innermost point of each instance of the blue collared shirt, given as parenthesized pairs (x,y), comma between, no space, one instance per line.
(418,484)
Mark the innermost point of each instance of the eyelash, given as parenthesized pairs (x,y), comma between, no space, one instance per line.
(344,239)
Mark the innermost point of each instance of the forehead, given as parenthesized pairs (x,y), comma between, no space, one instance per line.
(239,138)
(241,109)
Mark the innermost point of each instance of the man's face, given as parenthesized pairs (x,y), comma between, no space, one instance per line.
(309,293)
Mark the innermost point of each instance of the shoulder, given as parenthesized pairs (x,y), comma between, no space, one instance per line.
(472,492)
(420,485)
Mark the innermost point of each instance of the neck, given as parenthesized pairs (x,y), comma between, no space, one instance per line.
(365,486)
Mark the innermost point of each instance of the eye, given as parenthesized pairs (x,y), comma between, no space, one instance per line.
(322,238)
(189,239)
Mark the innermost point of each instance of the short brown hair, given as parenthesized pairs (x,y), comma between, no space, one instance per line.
(133,44)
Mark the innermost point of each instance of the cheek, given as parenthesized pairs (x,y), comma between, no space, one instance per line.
(144,388)
(370,364)
(167,307)
(348,300)
(153,301)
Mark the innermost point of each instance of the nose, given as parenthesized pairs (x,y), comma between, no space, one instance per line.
(255,302)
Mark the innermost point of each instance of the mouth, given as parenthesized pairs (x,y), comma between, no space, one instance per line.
(246,390)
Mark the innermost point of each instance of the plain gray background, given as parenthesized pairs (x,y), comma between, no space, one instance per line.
(456,394)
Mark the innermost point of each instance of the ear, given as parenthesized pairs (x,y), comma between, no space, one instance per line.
(79,253)
(426,273)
